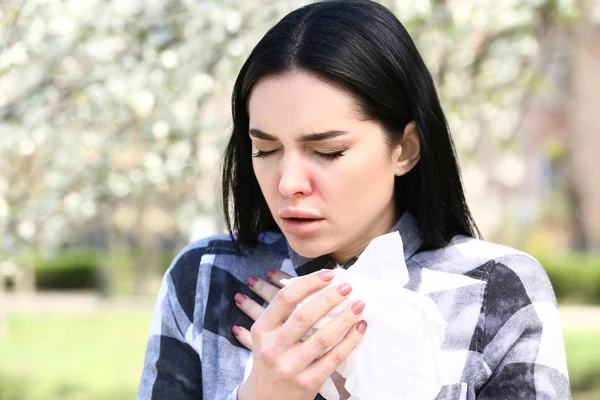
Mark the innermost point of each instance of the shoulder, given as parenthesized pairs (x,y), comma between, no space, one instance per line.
(181,280)
(507,271)
(215,261)
(222,250)
(189,258)
(512,273)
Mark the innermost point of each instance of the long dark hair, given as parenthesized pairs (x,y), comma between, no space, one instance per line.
(361,47)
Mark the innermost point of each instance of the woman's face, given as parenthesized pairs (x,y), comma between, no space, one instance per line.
(326,173)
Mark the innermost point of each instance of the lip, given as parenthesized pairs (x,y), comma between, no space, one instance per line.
(298,214)
(300,223)
(300,227)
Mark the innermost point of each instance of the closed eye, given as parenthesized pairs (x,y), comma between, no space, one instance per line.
(330,156)
(326,156)
(263,154)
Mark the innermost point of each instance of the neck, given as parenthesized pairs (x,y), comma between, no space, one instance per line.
(379,227)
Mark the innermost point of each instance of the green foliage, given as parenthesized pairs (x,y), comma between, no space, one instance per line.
(82,269)
(125,265)
(555,150)
(165,259)
(70,269)
(575,277)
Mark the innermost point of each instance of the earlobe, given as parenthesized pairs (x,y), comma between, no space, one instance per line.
(408,152)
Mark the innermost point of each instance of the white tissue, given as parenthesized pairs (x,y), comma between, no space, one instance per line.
(399,357)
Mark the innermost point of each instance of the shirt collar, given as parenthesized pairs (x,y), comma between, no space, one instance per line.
(407,227)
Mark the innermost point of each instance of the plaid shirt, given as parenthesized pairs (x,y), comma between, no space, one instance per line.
(503,338)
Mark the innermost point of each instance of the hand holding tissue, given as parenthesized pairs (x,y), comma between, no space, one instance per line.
(399,356)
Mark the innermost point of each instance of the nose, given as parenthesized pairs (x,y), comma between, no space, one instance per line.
(294,181)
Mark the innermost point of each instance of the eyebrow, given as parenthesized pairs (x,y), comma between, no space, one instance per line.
(313,137)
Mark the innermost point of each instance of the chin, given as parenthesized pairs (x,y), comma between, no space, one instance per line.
(309,248)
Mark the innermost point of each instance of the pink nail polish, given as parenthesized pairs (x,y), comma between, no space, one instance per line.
(361,326)
(344,289)
(236,330)
(326,275)
(358,307)
(270,273)
(239,298)
(252,281)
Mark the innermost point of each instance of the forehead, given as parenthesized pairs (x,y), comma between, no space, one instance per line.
(301,102)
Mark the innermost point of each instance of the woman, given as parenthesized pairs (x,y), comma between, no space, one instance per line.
(339,138)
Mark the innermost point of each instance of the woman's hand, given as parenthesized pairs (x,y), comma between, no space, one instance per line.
(265,290)
(283,365)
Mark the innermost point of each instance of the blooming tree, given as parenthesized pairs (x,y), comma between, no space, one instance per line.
(110,111)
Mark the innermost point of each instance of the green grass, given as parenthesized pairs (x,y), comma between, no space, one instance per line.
(99,357)
(583,359)
(73,357)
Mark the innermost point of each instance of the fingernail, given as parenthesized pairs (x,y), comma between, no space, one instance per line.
(361,326)
(252,281)
(239,298)
(270,273)
(358,307)
(326,275)
(236,330)
(344,289)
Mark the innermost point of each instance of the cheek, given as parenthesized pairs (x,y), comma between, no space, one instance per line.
(267,179)
(359,181)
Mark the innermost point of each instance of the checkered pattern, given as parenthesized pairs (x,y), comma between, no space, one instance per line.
(503,339)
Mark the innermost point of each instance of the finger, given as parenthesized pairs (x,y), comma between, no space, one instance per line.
(306,316)
(327,336)
(330,361)
(262,288)
(242,335)
(249,306)
(288,298)
(275,277)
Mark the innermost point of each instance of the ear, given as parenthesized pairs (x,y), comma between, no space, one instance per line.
(407,154)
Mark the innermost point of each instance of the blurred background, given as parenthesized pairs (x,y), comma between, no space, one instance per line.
(114,115)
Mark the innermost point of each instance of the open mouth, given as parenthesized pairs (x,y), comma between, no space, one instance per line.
(302,226)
